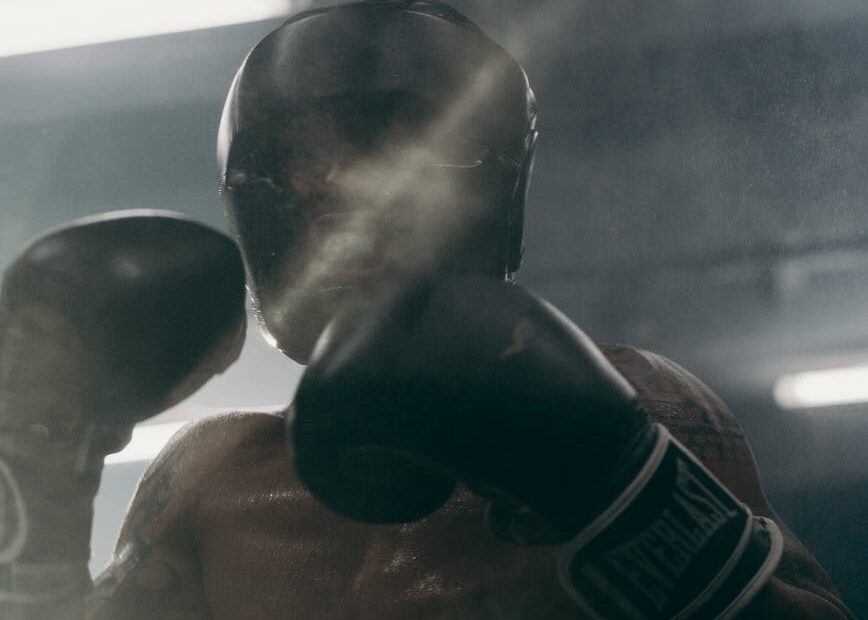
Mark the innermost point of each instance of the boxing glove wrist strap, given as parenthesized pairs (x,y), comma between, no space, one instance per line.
(39,583)
(675,544)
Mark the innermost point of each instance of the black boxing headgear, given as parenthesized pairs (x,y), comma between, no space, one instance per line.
(366,67)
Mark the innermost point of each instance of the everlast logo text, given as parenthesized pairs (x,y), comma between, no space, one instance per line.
(654,560)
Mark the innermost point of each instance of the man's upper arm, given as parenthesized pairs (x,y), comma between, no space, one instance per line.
(154,573)
(696,417)
(705,425)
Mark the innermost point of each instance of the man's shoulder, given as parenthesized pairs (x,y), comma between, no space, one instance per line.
(671,394)
(220,436)
(198,457)
(154,570)
(213,442)
(694,414)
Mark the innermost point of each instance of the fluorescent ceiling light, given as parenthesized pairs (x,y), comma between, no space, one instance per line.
(147,441)
(40,25)
(823,388)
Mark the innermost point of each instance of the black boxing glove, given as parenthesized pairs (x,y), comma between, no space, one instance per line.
(480,381)
(103,323)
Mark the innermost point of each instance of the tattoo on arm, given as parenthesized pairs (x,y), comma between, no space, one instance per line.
(705,425)
(681,402)
(150,573)
(151,499)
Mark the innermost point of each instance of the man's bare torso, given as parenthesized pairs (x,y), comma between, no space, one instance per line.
(221,528)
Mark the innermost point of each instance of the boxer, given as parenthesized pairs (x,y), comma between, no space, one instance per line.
(457,447)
